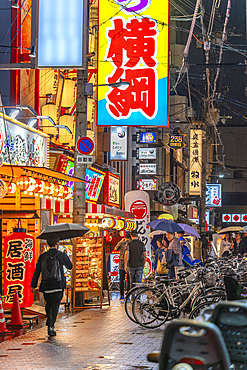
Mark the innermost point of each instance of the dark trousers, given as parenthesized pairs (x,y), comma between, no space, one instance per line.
(122,280)
(52,306)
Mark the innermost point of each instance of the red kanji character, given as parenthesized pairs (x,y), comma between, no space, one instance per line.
(139,96)
(140,42)
(117,44)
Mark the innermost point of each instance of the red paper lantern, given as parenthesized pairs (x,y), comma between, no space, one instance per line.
(22,182)
(47,188)
(11,188)
(70,194)
(51,188)
(65,192)
(56,190)
(61,191)
(108,238)
(32,185)
(19,265)
(39,186)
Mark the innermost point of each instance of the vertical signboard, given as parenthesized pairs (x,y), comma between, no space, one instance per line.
(112,190)
(213,195)
(133,47)
(138,203)
(119,143)
(94,184)
(60,34)
(195,162)
(19,265)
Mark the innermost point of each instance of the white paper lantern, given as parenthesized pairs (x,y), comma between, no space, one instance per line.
(47,82)
(50,110)
(64,136)
(68,97)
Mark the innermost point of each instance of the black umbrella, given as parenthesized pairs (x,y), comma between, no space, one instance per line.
(63,231)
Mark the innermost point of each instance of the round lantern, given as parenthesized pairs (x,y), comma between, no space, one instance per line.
(56,190)
(108,238)
(108,222)
(32,185)
(64,136)
(11,188)
(46,78)
(68,97)
(119,224)
(61,191)
(39,186)
(47,187)
(65,192)
(51,189)
(22,182)
(70,194)
(50,110)
(3,189)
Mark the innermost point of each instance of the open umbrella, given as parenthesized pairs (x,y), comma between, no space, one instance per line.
(231,229)
(189,230)
(156,232)
(165,225)
(63,231)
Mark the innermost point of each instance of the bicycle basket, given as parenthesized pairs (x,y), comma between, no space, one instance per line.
(209,279)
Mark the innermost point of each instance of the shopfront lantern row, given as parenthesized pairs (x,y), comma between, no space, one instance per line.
(47,188)
(39,186)
(32,185)
(61,191)
(56,190)
(11,188)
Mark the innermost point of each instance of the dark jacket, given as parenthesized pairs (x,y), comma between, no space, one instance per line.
(63,260)
(239,249)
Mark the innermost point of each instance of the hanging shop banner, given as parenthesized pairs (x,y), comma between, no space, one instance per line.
(21,145)
(195,162)
(147,153)
(119,143)
(95,179)
(138,203)
(147,169)
(233,217)
(148,184)
(19,265)
(213,195)
(146,137)
(61,41)
(176,141)
(134,48)
(168,194)
(112,189)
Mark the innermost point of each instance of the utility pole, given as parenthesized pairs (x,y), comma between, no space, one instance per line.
(81,131)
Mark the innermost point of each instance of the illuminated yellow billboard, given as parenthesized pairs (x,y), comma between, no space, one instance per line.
(133,46)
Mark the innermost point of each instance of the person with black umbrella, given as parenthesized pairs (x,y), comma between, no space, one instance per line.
(53,283)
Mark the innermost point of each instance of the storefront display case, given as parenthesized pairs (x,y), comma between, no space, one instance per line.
(89,271)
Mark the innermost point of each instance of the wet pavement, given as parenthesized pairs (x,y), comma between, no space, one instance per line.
(95,339)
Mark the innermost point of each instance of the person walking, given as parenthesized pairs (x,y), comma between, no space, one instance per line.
(122,245)
(162,256)
(50,265)
(134,259)
(225,245)
(177,251)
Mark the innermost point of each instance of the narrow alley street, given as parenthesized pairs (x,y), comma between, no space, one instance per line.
(92,339)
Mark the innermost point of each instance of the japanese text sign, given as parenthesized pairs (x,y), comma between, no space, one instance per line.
(147,153)
(213,195)
(133,47)
(119,143)
(94,184)
(112,190)
(147,169)
(195,162)
(148,184)
(138,203)
(19,265)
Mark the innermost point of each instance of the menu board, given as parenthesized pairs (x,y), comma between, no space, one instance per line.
(88,264)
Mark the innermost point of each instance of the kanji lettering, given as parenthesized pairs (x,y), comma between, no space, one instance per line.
(15,271)
(28,243)
(11,291)
(15,248)
(140,6)
(28,256)
(195,174)
(195,184)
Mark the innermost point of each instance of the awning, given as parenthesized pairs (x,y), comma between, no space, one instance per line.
(18,214)
(17,171)
(112,211)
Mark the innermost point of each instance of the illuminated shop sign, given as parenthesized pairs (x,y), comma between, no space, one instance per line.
(112,190)
(60,33)
(147,169)
(94,184)
(118,143)
(134,48)
(147,153)
(213,195)
(148,184)
(20,145)
(146,137)
(19,265)
(195,162)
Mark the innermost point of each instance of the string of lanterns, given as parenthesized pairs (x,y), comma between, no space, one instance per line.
(36,187)
(111,223)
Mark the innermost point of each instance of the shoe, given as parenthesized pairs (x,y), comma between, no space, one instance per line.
(122,297)
(51,331)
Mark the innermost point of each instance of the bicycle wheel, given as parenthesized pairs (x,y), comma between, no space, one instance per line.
(198,309)
(150,308)
(209,294)
(129,301)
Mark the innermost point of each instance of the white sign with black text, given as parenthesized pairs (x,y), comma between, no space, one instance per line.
(195,162)
(148,184)
(119,143)
(147,153)
(147,169)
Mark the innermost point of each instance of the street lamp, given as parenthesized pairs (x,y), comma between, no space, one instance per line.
(122,85)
